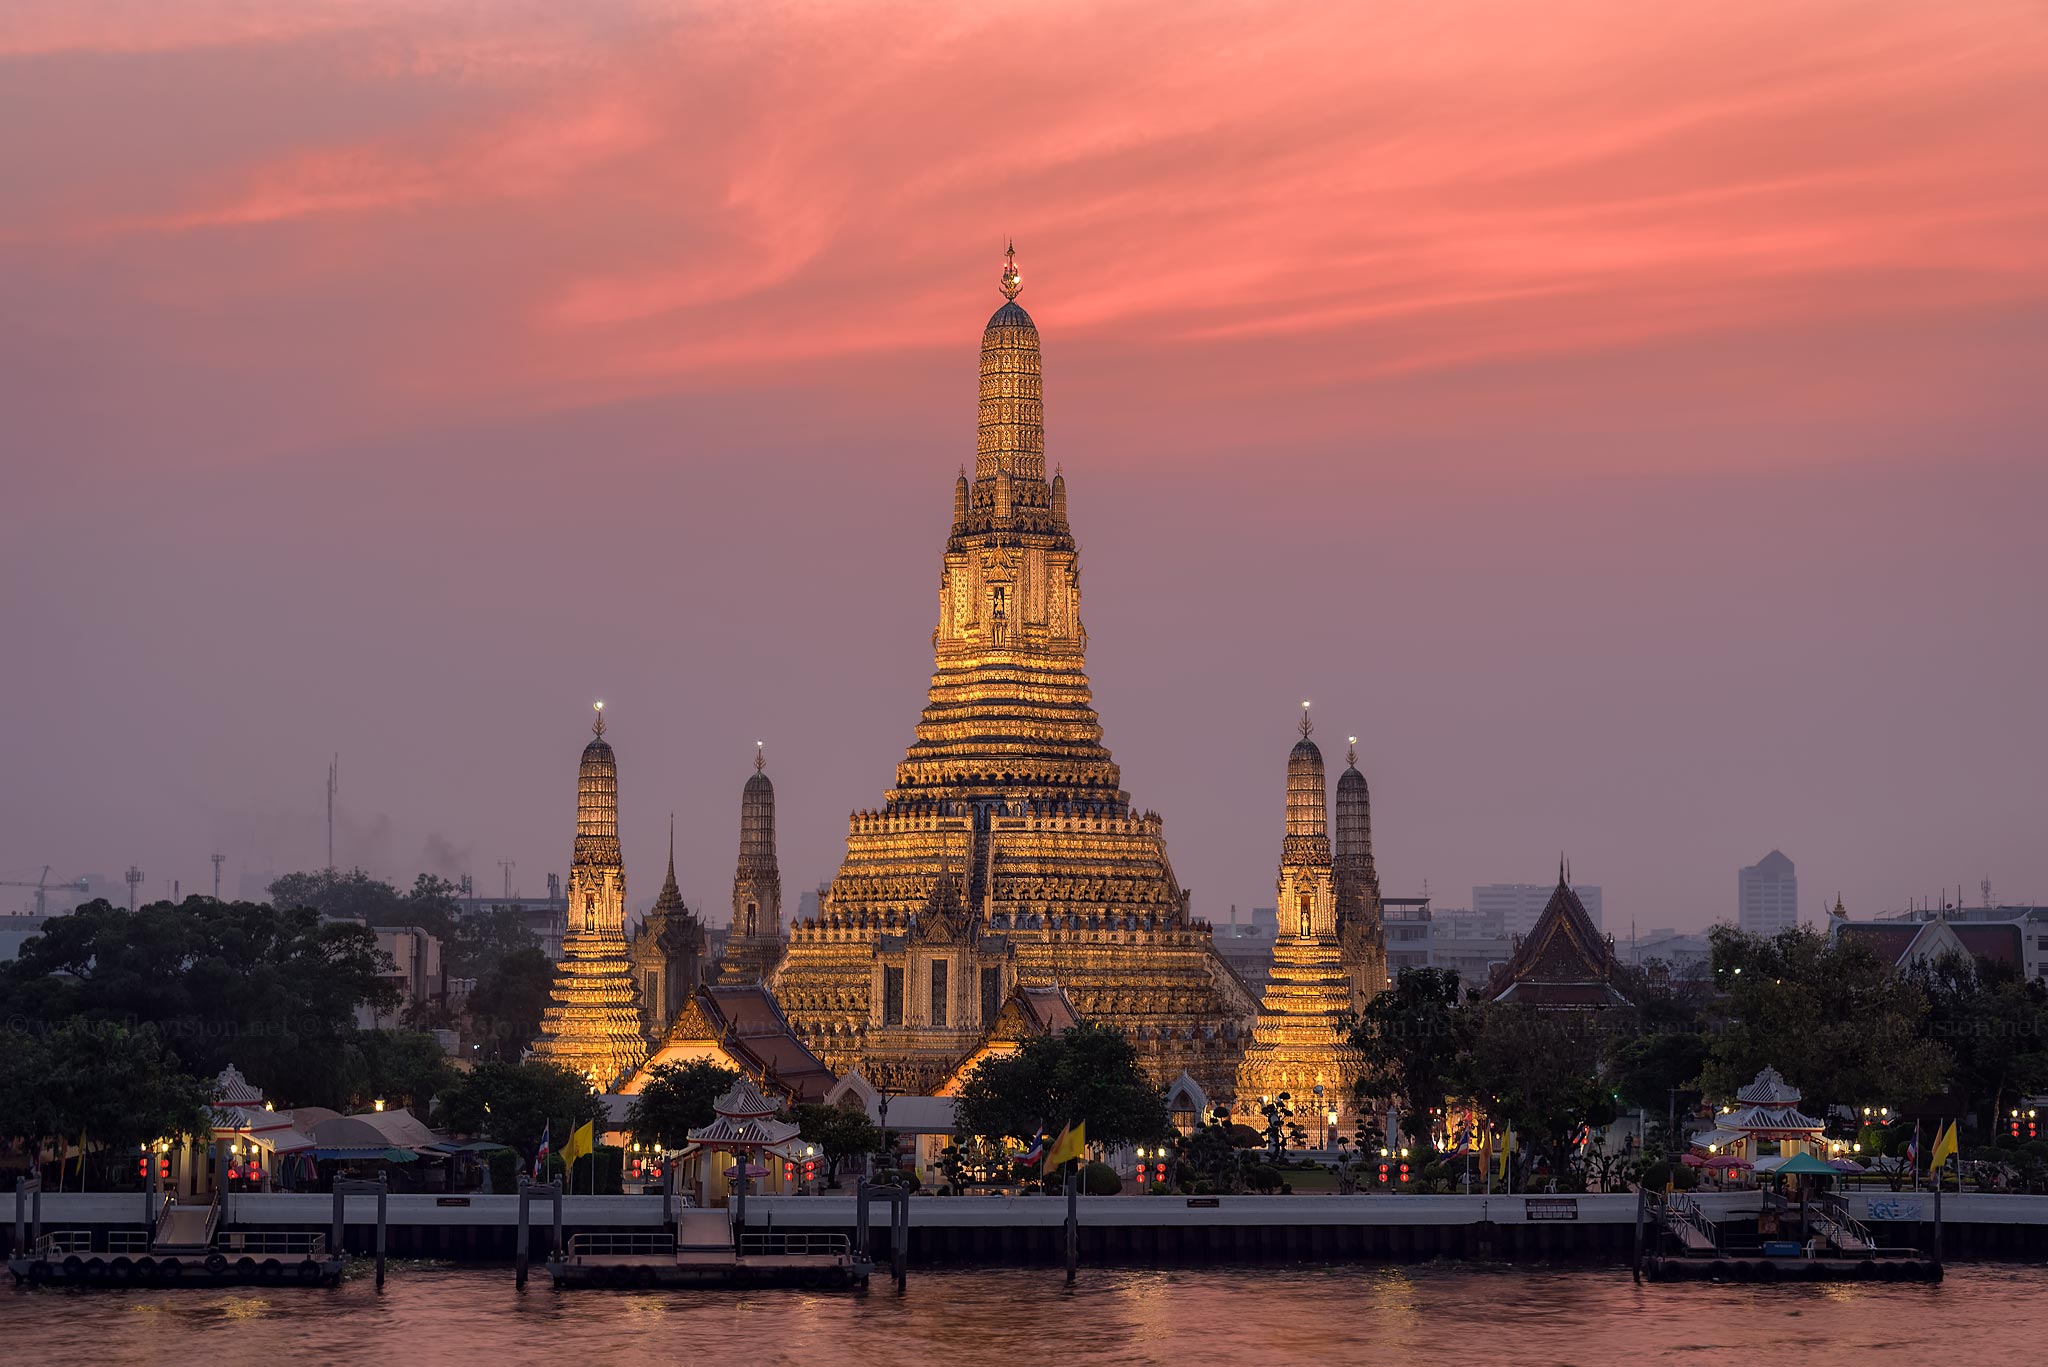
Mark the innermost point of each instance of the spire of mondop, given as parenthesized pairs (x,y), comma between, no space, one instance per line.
(671,894)
(1011,419)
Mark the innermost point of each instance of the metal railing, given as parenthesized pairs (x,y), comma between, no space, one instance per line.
(625,1245)
(772,1245)
(261,1241)
(1844,1231)
(1683,1214)
(66,1241)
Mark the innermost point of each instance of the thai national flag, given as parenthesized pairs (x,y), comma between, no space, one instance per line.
(1036,1153)
(540,1155)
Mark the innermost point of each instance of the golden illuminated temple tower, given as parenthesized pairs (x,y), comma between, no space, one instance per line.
(1007,854)
(1361,932)
(592,1023)
(754,944)
(1299,1042)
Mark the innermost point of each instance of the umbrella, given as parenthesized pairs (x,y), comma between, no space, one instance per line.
(1692,1160)
(1804,1163)
(1727,1162)
(1846,1165)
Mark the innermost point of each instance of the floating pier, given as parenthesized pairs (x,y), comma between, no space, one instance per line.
(181,1245)
(1677,1240)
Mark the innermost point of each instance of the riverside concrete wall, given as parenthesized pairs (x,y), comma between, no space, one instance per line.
(1114,1229)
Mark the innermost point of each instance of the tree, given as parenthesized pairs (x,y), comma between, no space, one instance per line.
(353,895)
(506,1005)
(840,1132)
(1659,1072)
(99,1082)
(676,1099)
(1994,1022)
(273,992)
(483,941)
(399,1067)
(509,1103)
(1088,1073)
(1411,1036)
(1839,1023)
(1536,1070)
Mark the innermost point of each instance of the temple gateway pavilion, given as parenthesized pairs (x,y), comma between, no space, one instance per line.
(1007,853)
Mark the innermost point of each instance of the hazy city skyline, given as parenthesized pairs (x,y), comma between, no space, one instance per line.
(1640,453)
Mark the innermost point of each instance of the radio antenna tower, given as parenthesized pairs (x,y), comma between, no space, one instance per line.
(218,860)
(333,787)
(507,865)
(134,880)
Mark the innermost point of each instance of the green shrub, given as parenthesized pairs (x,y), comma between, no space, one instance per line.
(1263,1178)
(504,1168)
(1100,1179)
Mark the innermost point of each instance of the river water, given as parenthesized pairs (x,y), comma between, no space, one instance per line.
(1353,1316)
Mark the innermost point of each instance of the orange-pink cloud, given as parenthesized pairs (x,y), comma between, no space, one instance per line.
(658,195)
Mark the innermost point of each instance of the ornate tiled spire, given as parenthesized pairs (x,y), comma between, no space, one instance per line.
(754,944)
(1009,783)
(1299,1041)
(1360,930)
(592,1023)
(1308,812)
(1012,416)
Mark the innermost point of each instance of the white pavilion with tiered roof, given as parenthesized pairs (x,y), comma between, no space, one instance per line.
(1766,1111)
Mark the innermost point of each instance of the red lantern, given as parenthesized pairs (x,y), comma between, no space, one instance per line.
(810,1168)
(1383,1174)
(1404,1172)
(789,1170)
(142,1168)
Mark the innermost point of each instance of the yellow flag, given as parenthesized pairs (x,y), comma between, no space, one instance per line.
(578,1145)
(1073,1139)
(1944,1146)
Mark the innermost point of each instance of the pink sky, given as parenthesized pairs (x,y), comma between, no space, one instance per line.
(1627,421)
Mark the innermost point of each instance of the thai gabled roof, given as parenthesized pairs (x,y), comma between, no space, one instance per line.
(1771,1120)
(1564,963)
(743,1100)
(1769,1089)
(760,1132)
(232,1089)
(744,1022)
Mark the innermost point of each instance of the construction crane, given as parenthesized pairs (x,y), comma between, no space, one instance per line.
(44,887)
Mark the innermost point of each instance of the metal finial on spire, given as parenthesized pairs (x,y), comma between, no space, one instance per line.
(1306,725)
(760,755)
(1012,281)
(597,726)
(1351,755)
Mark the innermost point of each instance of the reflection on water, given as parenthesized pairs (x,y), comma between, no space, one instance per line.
(1328,1315)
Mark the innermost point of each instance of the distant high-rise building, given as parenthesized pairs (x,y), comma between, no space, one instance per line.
(1767,898)
(1517,905)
